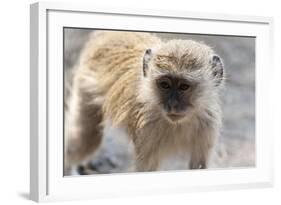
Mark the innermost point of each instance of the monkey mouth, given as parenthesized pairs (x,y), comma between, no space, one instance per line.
(175,116)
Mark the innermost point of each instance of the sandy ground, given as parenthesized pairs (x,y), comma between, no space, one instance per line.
(236,145)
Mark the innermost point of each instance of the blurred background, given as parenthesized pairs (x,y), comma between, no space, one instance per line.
(236,145)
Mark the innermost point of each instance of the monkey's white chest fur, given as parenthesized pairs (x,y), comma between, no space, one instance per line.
(171,151)
(176,154)
(165,147)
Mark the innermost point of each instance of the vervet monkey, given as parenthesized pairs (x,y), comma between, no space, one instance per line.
(164,94)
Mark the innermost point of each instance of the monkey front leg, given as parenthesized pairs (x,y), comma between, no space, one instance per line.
(146,158)
(200,154)
(145,164)
(197,162)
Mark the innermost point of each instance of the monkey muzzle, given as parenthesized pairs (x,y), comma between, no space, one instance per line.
(175,117)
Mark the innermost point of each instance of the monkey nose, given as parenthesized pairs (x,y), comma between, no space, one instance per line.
(172,109)
(172,106)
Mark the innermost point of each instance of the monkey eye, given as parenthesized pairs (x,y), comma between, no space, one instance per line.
(184,87)
(164,85)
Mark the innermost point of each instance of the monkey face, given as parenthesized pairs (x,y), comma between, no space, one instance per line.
(186,76)
(174,95)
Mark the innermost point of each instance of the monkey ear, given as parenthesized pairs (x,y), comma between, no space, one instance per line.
(217,69)
(146,59)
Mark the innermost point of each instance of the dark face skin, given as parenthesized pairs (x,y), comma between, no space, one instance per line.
(174,94)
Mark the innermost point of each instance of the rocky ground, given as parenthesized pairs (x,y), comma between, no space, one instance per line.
(236,145)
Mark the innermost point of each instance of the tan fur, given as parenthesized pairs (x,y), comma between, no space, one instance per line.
(109,85)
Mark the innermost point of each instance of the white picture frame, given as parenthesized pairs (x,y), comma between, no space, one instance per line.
(46,87)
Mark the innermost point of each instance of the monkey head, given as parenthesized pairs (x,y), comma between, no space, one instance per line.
(181,77)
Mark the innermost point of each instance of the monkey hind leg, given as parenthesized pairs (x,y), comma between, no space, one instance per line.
(84,130)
